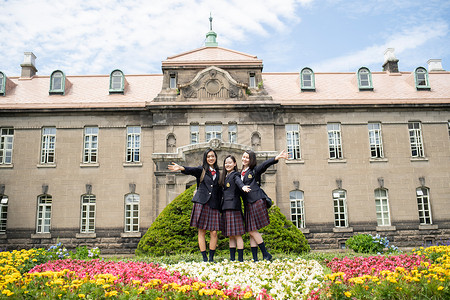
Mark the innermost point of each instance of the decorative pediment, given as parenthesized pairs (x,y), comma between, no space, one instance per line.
(212,83)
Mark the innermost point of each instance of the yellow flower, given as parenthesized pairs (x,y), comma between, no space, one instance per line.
(440,288)
(348,294)
(81,296)
(248,295)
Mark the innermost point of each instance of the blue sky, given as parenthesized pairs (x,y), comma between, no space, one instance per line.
(95,37)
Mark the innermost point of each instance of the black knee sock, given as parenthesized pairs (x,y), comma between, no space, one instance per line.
(211,255)
(232,254)
(205,257)
(266,255)
(240,254)
(255,253)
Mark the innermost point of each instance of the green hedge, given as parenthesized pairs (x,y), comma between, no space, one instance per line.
(171,234)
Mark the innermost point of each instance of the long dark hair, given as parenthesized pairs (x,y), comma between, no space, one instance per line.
(252,156)
(224,172)
(205,164)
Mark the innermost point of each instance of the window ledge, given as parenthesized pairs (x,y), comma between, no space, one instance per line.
(46,165)
(364,89)
(295,161)
(139,164)
(86,235)
(386,228)
(375,160)
(337,161)
(130,234)
(419,159)
(6,166)
(41,236)
(304,230)
(343,229)
(89,165)
(428,227)
(304,89)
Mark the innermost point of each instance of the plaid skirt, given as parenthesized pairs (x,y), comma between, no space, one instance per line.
(256,215)
(232,223)
(205,217)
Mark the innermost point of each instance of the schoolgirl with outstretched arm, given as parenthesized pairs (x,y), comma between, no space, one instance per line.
(256,214)
(205,213)
(232,222)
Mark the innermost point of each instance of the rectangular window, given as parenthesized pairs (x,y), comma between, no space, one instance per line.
(232,133)
(3,213)
(334,140)
(423,203)
(293,140)
(87,214)
(173,81)
(133,143)
(44,214)
(48,145)
(382,207)
(415,139)
(132,213)
(297,209)
(213,132)
(90,145)
(340,209)
(195,135)
(6,145)
(375,140)
(252,81)
(448,125)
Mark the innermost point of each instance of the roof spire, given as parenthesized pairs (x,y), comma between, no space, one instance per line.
(211,35)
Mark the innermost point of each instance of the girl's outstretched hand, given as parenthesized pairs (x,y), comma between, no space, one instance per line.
(175,167)
(283,154)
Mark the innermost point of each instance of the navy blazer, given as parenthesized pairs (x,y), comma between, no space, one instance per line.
(208,191)
(253,178)
(231,197)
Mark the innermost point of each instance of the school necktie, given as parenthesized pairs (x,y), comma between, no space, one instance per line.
(213,172)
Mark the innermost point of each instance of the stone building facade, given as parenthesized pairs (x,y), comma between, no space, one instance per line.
(83,159)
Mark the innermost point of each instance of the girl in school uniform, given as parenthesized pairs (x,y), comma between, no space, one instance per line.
(256,214)
(232,219)
(205,213)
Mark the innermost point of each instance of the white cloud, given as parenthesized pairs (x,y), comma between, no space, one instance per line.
(86,37)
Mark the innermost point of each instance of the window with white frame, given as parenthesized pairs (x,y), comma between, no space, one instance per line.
(213,131)
(382,207)
(364,79)
(133,143)
(195,134)
(48,145)
(57,83)
(6,145)
(232,133)
(421,79)
(415,139)
(340,208)
(252,80)
(3,213)
(88,213)
(334,140)
(293,140)
(90,144)
(297,208)
(132,212)
(423,204)
(375,140)
(116,82)
(307,79)
(172,81)
(44,214)
(2,83)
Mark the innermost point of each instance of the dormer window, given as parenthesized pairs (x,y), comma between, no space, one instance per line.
(116,82)
(172,81)
(365,79)
(2,84)
(57,83)
(421,78)
(307,80)
(252,81)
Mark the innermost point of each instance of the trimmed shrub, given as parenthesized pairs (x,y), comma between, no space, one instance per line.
(367,243)
(171,233)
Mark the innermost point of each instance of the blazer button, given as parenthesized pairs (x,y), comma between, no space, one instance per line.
(211,185)
(210,193)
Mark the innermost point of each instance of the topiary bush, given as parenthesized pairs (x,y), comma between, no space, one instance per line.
(171,233)
(367,243)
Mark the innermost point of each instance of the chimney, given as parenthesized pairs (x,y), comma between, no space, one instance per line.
(435,65)
(390,61)
(28,65)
